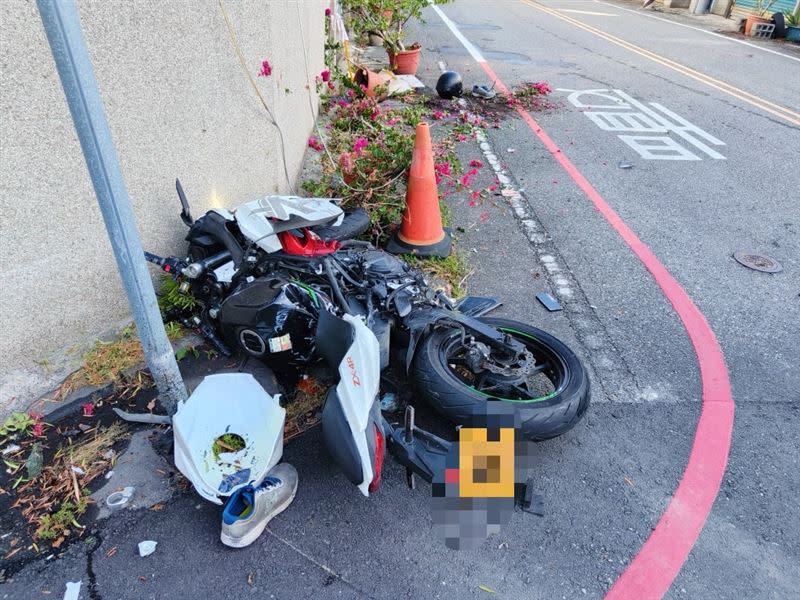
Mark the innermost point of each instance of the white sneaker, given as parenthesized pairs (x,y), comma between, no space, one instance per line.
(249,508)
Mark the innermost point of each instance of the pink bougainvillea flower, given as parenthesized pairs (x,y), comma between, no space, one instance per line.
(315,144)
(438,115)
(88,409)
(473,204)
(475,195)
(465,180)
(331,86)
(37,430)
(484,216)
(472,172)
(328,12)
(462,137)
(35,415)
(492,188)
(359,145)
(475,163)
(325,75)
(443,168)
(350,94)
(266,69)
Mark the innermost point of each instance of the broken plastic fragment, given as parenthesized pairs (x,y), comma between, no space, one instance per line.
(73,590)
(147,547)
(117,500)
(389,402)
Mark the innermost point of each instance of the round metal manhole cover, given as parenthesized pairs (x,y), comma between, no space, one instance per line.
(757,262)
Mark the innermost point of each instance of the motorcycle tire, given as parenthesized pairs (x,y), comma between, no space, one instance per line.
(541,418)
(354,224)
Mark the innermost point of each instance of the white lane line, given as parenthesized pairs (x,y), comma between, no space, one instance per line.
(476,54)
(700,29)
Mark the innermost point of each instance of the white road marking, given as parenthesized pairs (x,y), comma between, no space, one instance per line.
(700,29)
(474,52)
(614,110)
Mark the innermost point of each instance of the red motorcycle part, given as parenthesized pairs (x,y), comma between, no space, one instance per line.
(308,245)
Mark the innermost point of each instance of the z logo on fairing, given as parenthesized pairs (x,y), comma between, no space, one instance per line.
(352,366)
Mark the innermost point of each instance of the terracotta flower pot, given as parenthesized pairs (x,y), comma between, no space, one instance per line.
(752,19)
(405,62)
(370,80)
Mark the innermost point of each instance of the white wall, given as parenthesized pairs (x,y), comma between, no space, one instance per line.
(178,105)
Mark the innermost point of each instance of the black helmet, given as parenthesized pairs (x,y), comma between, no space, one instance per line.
(449,85)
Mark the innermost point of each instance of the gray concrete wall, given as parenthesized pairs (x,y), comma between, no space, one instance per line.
(178,105)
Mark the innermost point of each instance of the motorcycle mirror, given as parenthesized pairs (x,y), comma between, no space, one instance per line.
(186,215)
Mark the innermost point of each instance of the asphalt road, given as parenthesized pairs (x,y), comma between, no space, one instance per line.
(606,483)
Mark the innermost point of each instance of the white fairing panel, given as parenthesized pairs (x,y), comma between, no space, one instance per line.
(259,220)
(358,388)
(227,403)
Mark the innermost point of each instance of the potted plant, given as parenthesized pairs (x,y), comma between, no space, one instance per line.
(387,19)
(793,25)
(760,10)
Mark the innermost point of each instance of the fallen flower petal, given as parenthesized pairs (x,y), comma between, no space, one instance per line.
(475,163)
(266,69)
(88,409)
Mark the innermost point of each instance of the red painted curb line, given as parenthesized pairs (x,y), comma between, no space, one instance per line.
(652,571)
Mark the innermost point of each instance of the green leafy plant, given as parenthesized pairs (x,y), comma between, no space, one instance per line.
(762,7)
(18,422)
(171,297)
(386,18)
(793,19)
(58,523)
(227,442)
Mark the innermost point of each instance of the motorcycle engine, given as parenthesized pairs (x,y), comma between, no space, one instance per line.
(271,320)
(383,265)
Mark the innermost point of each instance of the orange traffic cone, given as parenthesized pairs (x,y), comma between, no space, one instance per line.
(421,231)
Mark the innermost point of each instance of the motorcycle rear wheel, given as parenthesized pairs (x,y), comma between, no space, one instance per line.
(562,394)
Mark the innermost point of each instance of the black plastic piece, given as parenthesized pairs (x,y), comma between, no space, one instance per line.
(477,306)
(186,214)
(339,438)
(421,452)
(548,301)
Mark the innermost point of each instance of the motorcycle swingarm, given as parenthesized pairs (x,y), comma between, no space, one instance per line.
(419,451)
(420,322)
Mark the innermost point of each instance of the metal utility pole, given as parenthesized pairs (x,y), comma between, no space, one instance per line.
(63,29)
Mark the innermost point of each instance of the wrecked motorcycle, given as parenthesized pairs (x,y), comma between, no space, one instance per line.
(281,279)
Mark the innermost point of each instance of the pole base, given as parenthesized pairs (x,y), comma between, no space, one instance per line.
(442,249)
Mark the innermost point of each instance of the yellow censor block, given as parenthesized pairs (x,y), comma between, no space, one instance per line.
(486,468)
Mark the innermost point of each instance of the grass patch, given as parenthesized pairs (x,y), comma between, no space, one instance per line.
(107,362)
(450,273)
(227,442)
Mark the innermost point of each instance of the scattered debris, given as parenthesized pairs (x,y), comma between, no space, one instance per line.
(147,547)
(73,590)
(250,579)
(110,474)
(757,262)
(117,500)
(487,589)
(548,301)
(389,402)
(511,150)
(624,165)
(11,449)
(143,418)
(35,461)
(111,552)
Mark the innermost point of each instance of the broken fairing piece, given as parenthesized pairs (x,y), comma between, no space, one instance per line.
(548,301)
(227,403)
(73,590)
(147,547)
(117,500)
(142,418)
